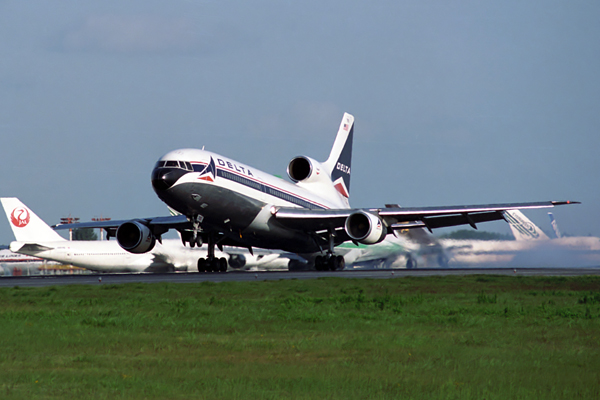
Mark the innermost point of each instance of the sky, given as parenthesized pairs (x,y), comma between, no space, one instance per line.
(455,102)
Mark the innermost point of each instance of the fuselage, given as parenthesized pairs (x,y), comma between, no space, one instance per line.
(235,199)
(108,256)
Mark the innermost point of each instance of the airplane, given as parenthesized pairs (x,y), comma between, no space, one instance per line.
(225,202)
(36,239)
(531,247)
(409,248)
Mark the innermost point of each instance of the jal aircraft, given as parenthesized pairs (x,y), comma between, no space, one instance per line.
(225,202)
(35,238)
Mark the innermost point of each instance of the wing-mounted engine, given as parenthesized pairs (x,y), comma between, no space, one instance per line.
(365,228)
(135,237)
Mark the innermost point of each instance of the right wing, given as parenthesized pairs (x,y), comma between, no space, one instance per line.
(395,218)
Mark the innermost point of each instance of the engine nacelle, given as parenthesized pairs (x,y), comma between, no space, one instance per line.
(237,261)
(135,237)
(304,169)
(365,228)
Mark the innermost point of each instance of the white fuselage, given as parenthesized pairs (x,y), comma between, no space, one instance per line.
(237,199)
(108,256)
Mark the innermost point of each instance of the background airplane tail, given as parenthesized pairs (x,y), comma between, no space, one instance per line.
(339,162)
(25,224)
(554,225)
(522,228)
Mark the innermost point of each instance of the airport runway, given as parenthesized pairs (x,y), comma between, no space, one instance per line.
(104,279)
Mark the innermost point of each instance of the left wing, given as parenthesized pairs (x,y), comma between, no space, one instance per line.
(158,225)
(395,218)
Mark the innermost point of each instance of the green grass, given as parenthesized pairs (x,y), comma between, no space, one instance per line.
(470,337)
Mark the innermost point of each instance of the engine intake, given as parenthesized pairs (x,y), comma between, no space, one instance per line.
(365,228)
(300,168)
(135,237)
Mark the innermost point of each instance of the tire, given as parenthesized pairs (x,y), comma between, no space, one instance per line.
(201,264)
(222,264)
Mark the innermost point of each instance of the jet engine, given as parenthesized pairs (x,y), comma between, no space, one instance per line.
(237,261)
(304,169)
(365,228)
(135,237)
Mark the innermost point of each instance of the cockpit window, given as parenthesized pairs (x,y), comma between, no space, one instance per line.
(175,164)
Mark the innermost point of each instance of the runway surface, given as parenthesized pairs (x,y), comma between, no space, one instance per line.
(32,281)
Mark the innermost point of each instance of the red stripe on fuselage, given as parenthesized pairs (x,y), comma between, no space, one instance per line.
(263,183)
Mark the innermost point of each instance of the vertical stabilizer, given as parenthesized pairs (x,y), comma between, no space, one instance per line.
(339,162)
(522,228)
(554,225)
(25,224)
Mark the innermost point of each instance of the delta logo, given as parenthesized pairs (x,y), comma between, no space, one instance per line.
(20,217)
(209,172)
(340,186)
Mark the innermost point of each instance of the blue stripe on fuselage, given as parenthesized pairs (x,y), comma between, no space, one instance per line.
(259,186)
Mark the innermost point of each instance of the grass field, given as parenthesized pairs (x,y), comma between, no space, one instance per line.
(474,337)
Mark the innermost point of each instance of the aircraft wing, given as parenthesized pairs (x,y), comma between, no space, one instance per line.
(174,221)
(405,218)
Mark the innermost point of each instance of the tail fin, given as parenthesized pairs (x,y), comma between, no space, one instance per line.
(554,225)
(522,228)
(26,226)
(340,158)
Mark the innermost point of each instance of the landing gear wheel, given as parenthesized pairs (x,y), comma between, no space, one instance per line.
(337,263)
(214,265)
(223,264)
(201,264)
(319,263)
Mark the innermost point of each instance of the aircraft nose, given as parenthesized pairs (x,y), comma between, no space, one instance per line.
(164,178)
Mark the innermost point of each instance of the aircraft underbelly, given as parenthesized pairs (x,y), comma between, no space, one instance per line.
(241,217)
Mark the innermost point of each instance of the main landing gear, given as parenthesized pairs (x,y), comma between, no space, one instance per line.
(212,265)
(329,263)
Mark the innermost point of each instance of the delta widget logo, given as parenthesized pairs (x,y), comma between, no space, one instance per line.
(20,217)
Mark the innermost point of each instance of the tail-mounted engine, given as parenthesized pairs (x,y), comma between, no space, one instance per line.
(365,228)
(304,169)
(135,237)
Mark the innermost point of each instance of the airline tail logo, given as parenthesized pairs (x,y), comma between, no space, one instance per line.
(340,186)
(209,172)
(20,217)
(525,228)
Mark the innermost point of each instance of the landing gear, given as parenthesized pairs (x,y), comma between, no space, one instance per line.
(410,262)
(329,263)
(212,265)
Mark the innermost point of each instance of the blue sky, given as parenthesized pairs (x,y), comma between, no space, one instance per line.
(456,102)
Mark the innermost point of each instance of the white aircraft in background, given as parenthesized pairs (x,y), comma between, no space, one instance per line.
(531,248)
(35,238)
(225,202)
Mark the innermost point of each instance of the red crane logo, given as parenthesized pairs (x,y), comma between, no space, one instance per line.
(20,217)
